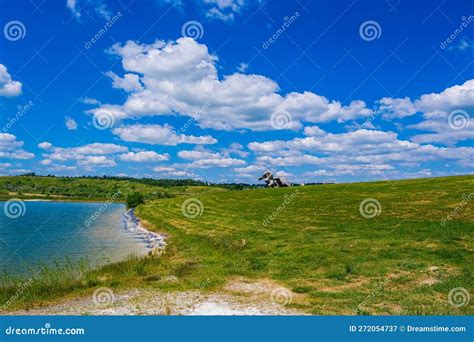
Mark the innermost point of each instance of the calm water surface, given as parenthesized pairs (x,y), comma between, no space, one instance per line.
(55,231)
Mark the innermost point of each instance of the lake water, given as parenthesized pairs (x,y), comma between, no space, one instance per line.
(37,233)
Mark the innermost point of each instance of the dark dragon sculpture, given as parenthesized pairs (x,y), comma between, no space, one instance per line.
(272,182)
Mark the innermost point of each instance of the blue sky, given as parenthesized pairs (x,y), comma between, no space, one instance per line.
(222,90)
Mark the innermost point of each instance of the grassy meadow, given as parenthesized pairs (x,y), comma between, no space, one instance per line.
(403,258)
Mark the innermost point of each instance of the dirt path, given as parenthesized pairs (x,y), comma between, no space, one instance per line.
(238,297)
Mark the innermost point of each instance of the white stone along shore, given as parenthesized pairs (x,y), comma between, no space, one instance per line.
(154,242)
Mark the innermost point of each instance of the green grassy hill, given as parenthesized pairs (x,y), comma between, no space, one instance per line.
(402,253)
(315,240)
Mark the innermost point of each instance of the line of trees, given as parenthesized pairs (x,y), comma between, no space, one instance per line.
(165,182)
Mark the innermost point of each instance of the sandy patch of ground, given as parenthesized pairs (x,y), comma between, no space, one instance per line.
(391,308)
(238,297)
(431,276)
(428,281)
(351,284)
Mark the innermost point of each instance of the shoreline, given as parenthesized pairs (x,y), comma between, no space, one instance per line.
(155,242)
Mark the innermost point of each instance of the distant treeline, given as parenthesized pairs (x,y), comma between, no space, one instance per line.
(165,182)
(100,187)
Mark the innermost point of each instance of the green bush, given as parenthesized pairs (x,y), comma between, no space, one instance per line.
(134,199)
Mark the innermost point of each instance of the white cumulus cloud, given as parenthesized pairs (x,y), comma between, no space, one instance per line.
(436,109)
(180,77)
(8,87)
(144,157)
(11,148)
(159,135)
